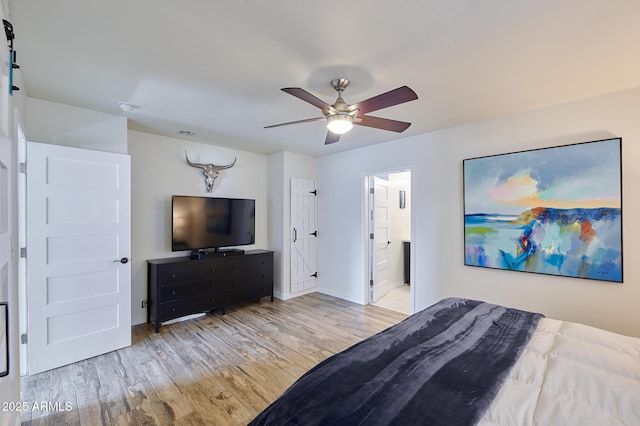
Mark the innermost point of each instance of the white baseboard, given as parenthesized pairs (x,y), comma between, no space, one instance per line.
(340,295)
(138,321)
(280,296)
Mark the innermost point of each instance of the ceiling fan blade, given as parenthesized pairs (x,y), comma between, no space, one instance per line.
(382,123)
(331,138)
(393,97)
(306,96)
(307,120)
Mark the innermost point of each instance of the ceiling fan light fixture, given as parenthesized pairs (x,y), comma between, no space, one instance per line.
(339,123)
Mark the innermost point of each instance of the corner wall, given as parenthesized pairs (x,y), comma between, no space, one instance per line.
(158,171)
(437,200)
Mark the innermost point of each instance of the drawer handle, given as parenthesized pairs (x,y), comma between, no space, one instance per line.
(173,309)
(213,269)
(173,275)
(213,300)
(213,285)
(173,292)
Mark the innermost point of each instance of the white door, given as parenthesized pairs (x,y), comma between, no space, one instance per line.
(304,262)
(380,241)
(9,372)
(78,244)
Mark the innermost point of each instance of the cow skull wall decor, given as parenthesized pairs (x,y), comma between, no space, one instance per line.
(210,171)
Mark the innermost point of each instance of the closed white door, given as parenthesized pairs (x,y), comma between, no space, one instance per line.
(381,239)
(5,247)
(9,372)
(78,244)
(304,257)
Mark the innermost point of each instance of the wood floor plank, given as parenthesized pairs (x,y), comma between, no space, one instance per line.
(210,382)
(129,367)
(113,387)
(175,401)
(91,410)
(295,335)
(150,408)
(225,369)
(189,384)
(41,393)
(27,394)
(293,348)
(129,418)
(63,397)
(213,370)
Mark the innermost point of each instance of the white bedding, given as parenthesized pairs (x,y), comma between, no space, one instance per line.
(571,374)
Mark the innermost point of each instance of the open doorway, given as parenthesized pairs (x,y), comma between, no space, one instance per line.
(389,230)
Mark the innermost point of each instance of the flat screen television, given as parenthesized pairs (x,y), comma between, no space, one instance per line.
(202,223)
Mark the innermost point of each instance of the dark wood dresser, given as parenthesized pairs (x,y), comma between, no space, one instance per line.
(179,286)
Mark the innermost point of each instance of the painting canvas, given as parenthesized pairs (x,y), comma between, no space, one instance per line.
(552,211)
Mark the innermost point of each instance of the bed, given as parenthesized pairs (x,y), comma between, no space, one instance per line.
(462,362)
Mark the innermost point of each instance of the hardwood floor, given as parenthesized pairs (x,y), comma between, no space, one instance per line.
(213,370)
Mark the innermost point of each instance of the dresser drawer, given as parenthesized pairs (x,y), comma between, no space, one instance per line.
(195,272)
(255,290)
(253,280)
(202,303)
(186,289)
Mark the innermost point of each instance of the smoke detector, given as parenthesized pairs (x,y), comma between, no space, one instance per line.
(126,106)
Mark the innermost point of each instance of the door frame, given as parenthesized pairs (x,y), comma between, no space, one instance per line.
(366,178)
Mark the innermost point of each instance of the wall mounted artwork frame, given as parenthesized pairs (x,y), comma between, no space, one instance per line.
(555,211)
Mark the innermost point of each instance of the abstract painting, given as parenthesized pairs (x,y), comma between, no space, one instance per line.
(552,211)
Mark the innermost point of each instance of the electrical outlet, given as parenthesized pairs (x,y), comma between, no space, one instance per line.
(144,304)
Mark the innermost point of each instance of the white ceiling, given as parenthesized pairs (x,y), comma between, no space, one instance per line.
(216,66)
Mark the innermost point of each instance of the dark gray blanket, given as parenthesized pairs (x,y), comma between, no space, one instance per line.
(441,366)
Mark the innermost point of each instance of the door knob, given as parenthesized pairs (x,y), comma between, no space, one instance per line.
(123,260)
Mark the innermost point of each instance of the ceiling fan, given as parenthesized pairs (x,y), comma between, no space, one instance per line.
(341,116)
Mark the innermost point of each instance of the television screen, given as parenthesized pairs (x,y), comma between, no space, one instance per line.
(200,223)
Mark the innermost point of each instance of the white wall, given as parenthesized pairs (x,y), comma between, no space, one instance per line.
(158,171)
(436,161)
(437,200)
(277,223)
(60,124)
